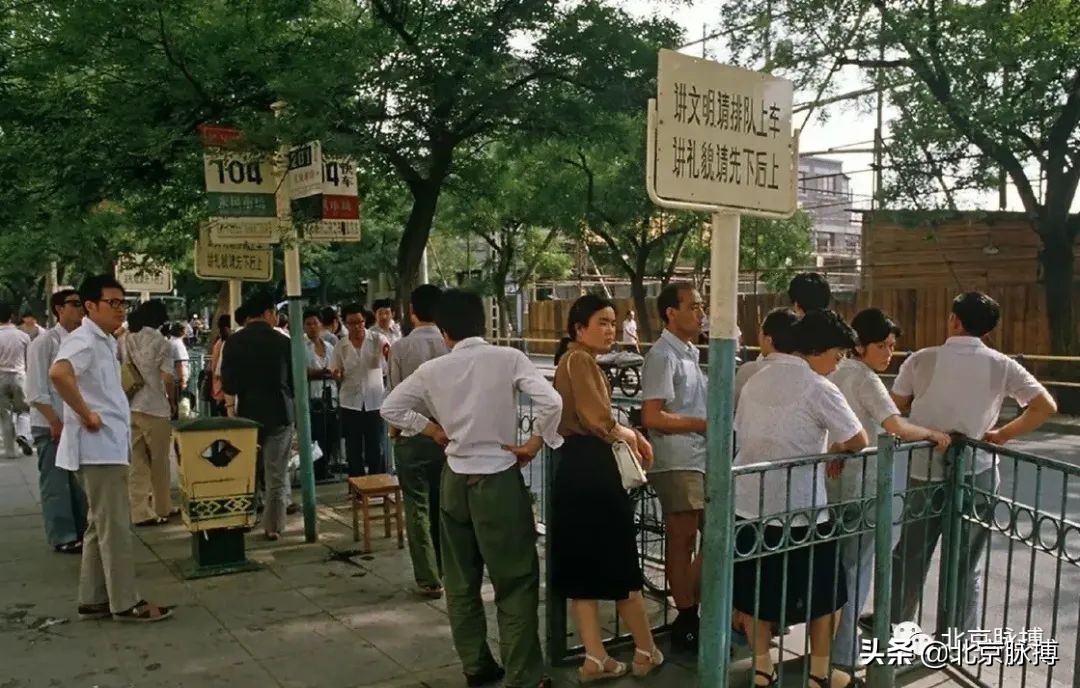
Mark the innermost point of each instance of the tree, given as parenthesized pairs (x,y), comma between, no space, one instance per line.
(988,91)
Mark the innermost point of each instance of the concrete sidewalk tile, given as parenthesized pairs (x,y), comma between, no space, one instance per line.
(413,635)
(295,636)
(238,675)
(248,583)
(238,611)
(333,664)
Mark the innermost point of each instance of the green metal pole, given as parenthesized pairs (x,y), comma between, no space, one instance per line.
(718,544)
(293,289)
(883,675)
(303,416)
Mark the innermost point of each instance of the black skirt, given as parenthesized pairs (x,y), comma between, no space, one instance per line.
(593,538)
(812,588)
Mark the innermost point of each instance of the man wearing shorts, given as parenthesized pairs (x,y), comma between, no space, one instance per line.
(673,411)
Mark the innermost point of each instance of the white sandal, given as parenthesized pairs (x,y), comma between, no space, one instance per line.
(656,658)
(603,674)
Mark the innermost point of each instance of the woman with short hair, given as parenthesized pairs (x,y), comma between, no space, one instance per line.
(593,553)
(854,481)
(790,409)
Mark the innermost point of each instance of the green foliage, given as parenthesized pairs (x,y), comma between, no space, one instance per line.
(982,88)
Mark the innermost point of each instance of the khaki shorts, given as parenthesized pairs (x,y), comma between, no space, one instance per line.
(679,491)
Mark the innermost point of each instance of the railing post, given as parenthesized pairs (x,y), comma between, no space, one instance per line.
(950,553)
(883,675)
(555,608)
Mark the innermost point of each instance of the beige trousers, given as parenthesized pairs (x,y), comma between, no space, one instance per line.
(108,571)
(150,481)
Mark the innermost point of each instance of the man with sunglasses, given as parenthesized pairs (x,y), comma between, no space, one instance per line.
(96,443)
(63,503)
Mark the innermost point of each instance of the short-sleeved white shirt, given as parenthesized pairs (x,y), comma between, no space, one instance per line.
(870,400)
(959,387)
(150,352)
(629,328)
(180,355)
(362,382)
(672,373)
(746,371)
(92,355)
(787,410)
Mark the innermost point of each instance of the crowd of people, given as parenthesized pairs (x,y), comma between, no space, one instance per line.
(450,401)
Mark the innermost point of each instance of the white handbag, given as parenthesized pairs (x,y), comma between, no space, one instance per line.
(629,469)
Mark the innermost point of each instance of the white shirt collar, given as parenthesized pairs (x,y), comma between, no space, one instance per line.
(668,336)
(789,359)
(469,342)
(93,328)
(965,341)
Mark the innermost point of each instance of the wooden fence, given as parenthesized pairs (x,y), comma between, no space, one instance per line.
(922,313)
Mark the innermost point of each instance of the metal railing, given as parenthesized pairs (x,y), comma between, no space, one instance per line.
(1028,581)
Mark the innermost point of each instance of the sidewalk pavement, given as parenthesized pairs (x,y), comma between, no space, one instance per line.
(318,615)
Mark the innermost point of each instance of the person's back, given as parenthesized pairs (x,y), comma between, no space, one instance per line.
(255,369)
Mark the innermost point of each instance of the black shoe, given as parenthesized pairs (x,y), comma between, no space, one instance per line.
(24,444)
(494,674)
(866,623)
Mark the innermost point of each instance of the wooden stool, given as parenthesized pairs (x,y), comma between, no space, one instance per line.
(373,490)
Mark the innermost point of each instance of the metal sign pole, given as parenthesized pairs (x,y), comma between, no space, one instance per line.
(293,290)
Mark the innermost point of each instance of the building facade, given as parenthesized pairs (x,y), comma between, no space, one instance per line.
(825,195)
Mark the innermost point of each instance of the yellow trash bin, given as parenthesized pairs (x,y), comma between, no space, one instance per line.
(217,490)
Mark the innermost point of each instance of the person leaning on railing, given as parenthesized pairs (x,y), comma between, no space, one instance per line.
(854,480)
(790,409)
(593,550)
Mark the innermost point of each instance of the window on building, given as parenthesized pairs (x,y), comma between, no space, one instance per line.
(853,243)
(824,241)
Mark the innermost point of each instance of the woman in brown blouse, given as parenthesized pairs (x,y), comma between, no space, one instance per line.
(594,554)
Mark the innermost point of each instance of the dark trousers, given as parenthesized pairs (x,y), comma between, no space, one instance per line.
(324,431)
(363,431)
(419,468)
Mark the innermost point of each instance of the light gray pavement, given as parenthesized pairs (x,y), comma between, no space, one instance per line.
(320,615)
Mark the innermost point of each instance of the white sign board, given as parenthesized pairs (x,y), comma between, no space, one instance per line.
(305,170)
(723,136)
(228,171)
(229,262)
(139,275)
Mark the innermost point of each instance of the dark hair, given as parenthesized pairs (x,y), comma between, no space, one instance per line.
(978,313)
(259,303)
(460,314)
(669,298)
(383,303)
(560,351)
(821,330)
(352,309)
(328,315)
(176,329)
(283,321)
(56,301)
(224,326)
(810,291)
(873,326)
(424,300)
(28,314)
(311,313)
(6,311)
(148,314)
(582,312)
(240,315)
(777,326)
(94,286)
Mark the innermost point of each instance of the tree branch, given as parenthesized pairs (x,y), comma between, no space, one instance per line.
(873,64)
(175,59)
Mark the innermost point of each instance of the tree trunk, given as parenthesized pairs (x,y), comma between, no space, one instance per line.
(415,238)
(1057,261)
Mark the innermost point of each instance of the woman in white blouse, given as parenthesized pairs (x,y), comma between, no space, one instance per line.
(790,409)
(322,392)
(850,481)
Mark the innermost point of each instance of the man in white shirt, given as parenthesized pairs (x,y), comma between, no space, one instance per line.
(959,388)
(629,333)
(14,422)
(95,443)
(357,364)
(63,503)
(30,325)
(674,396)
(384,321)
(487,513)
(420,459)
(775,335)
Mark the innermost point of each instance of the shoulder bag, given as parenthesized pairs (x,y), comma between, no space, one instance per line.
(629,469)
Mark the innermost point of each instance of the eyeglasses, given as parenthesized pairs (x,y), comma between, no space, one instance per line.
(74,302)
(115,304)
